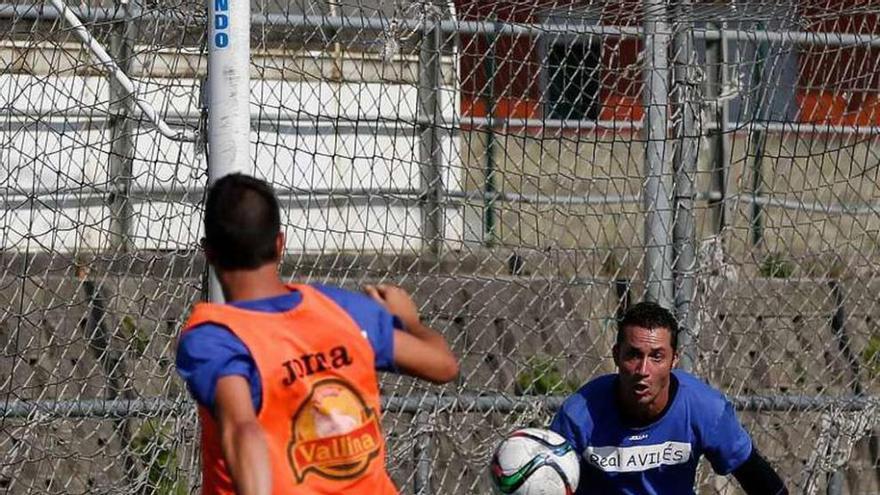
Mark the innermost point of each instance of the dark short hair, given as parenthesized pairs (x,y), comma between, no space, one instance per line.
(242,221)
(649,315)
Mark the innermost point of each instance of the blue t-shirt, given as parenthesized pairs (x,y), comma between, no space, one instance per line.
(209,352)
(660,458)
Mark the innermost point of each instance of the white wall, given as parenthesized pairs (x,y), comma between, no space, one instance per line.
(61,141)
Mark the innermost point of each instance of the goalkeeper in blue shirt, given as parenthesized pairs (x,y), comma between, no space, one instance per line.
(644,429)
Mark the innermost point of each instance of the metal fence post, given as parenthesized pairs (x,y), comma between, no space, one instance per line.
(121,141)
(687,142)
(844,345)
(717,82)
(757,140)
(122,38)
(835,483)
(100,343)
(422,454)
(658,176)
(489,186)
(430,150)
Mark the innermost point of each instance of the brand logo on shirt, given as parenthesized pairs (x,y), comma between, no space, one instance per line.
(637,458)
(309,364)
(638,437)
(335,434)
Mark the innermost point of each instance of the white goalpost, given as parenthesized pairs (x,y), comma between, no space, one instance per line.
(228,95)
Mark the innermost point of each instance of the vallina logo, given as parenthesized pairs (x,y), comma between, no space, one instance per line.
(335,433)
(221,23)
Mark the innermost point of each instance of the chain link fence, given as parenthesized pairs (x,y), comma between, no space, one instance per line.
(527,169)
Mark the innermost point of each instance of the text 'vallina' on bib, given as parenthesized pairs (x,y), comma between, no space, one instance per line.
(335,434)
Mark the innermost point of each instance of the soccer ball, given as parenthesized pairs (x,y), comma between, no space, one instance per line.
(533,461)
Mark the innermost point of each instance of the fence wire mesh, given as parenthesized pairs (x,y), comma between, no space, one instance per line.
(526,168)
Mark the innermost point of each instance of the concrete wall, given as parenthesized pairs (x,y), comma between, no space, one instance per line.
(757,336)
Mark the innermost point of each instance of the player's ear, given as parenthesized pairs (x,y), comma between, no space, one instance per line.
(675,358)
(279,245)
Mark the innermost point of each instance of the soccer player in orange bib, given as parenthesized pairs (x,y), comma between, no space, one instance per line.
(285,375)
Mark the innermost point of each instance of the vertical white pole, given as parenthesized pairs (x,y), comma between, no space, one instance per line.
(658,185)
(229,28)
(684,164)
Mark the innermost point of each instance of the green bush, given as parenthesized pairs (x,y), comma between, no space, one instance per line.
(871,357)
(138,337)
(541,376)
(775,265)
(154,447)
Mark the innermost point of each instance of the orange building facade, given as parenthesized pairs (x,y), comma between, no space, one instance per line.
(551,76)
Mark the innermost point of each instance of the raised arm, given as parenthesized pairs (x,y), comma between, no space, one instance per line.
(419,351)
(242,438)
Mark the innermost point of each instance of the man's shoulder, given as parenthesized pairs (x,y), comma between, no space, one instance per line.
(209,343)
(602,384)
(345,297)
(209,331)
(589,405)
(596,390)
(694,385)
(699,395)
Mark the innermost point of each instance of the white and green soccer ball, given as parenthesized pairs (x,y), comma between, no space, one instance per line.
(534,461)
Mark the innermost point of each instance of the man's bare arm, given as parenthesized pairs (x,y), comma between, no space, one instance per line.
(242,438)
(419,351)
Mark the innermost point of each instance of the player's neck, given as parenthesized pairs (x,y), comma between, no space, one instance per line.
(638,416)
(246,285)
